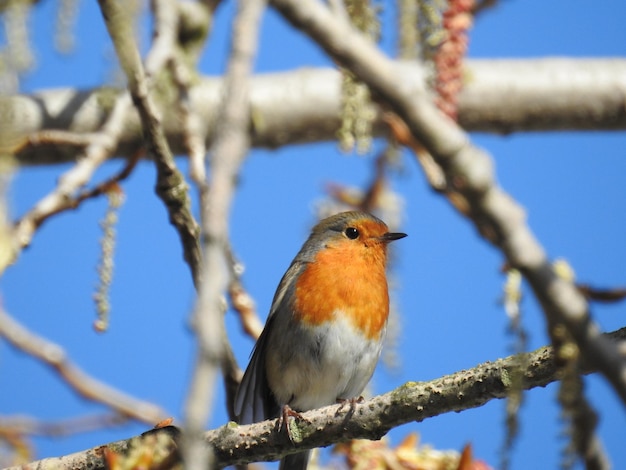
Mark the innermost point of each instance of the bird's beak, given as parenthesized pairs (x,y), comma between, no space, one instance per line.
(391,236)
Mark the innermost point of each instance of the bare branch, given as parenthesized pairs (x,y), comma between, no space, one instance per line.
(226,156)
(29,426)
(96,458)
(498,218)
(193,133)
(499,96)
(101,146)
(68,203)
(171,186)
(58,137)
(504,96)
(85,385)
(414,401)
(164,36)
(241,300)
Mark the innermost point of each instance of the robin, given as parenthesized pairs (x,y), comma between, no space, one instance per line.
(326,327)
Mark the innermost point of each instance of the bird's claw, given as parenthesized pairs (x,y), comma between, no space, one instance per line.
(349,401)
(283,420)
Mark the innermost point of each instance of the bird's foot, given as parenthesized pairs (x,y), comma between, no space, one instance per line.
(283,420)
(349,401)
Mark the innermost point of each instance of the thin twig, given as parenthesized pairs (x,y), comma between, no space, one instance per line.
(171,186)
(164,41)
(194,138)
(82,383)
(29,426)
(100,147)
(196,148)
(401,133)
(241,300)
(58,137)
(107,185)
(70,203)
(229,149)
(483,5)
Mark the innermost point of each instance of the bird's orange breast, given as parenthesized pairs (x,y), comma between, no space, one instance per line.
(349,279)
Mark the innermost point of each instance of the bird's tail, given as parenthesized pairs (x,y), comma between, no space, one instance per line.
(297,461)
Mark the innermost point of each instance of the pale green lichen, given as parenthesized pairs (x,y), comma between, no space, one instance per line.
(357,110)
(105,267)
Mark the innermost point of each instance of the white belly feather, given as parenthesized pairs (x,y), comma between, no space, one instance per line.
(332,362)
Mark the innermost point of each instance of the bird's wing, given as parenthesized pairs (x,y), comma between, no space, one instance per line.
(254,401)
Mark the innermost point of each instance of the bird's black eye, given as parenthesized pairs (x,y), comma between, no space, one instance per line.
(352,233)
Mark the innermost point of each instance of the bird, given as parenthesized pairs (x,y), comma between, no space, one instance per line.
(326,326)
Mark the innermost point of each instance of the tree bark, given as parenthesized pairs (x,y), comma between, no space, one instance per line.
(295,107)
(372,419)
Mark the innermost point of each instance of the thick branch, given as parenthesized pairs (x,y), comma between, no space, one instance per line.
(302,106)
(414,401)
(503,96)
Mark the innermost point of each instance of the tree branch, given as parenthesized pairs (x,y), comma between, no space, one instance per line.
(171,186)
(29,426)
(227,153)
(100,146)
(495,214)
(499,96)
(82,383)
(372,419)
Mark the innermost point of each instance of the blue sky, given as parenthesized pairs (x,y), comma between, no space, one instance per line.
(447,278)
